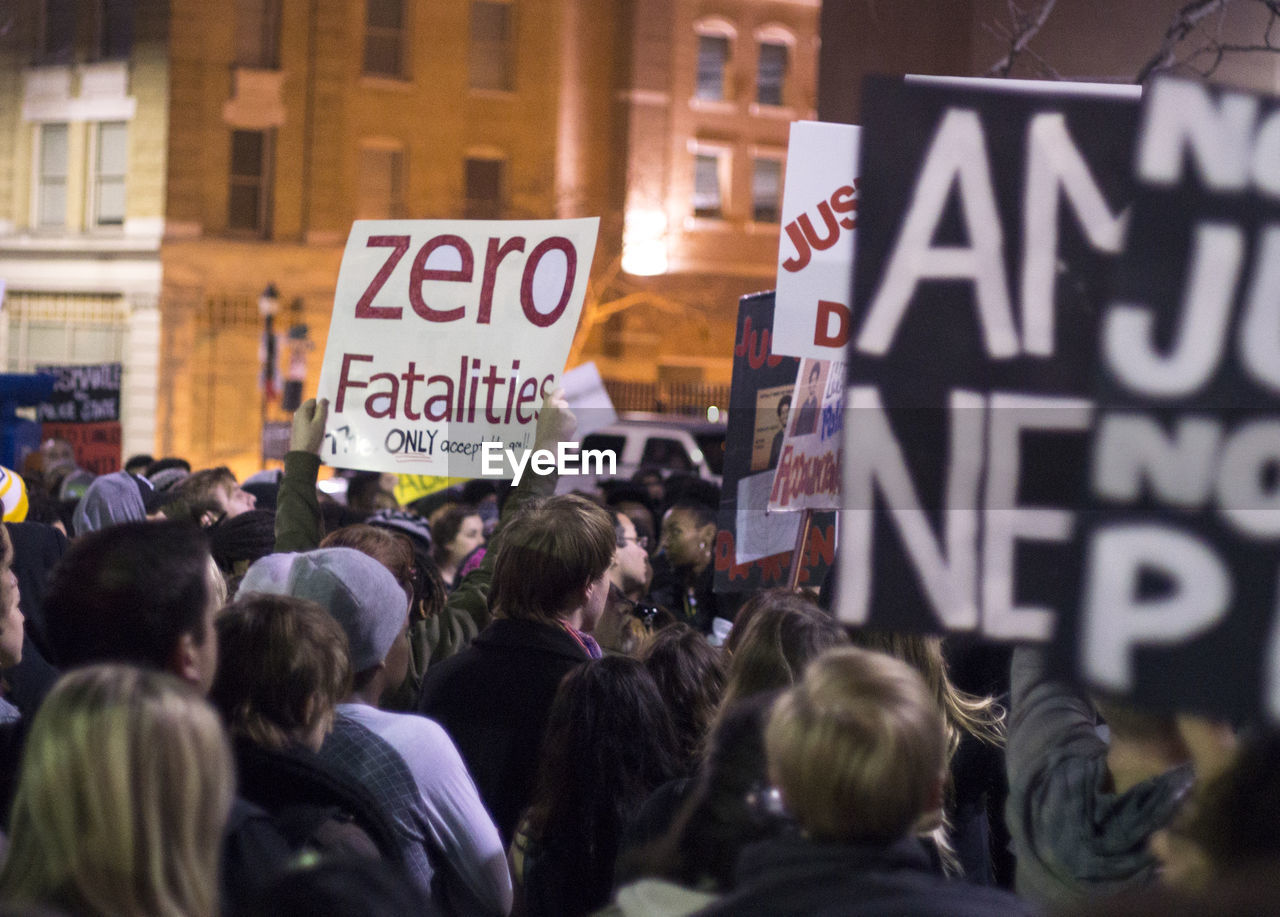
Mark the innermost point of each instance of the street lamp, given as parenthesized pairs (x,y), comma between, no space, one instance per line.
(268,305)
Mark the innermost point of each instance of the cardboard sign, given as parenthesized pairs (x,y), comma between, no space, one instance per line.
(753,545)
(815,248)
(446,335)
(1182,541)
(84,409)
(808,468)
(988,217)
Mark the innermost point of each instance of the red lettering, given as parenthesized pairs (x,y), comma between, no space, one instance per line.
(493,257)
(365,307)
(419,274)
(822,335)
(845,200)
(344,380)
(559,243)
(527,398)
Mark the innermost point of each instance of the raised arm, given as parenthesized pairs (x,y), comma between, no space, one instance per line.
(298,524)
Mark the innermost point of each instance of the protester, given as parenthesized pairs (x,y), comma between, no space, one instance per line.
(609,743)
(407,762)
(113,499)
(690,677)
(683,574)
(779,632)
(455,534)
(857,750)
(284,668)
(125,790)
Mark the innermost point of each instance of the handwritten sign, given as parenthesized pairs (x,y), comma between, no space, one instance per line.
(815,248)
(446,335)
(989,218)
(84,410)
(808,472)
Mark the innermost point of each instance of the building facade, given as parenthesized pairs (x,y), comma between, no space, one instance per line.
(164,163)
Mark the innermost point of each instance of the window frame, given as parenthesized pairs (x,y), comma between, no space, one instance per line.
(264,180)
(723,30)
(397,206)
(38,168)
(96,177)
(476,208)
(505,45)
(777,36)
(723,156)
(402,34)
(774,156)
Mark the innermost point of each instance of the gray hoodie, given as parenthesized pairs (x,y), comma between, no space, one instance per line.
(1071,836)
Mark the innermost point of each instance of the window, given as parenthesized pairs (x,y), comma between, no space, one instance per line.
(111,157)
(385,28)
(250,181)
(59,32)
(707,197)
(115,29)
(258,34)
(380,189)
(51,177)
(771,74)
(713,57)
(484,189)
(491,65)
(766,190)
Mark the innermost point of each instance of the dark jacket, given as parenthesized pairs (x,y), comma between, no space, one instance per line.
(791,875)
(493,698)
(311,805)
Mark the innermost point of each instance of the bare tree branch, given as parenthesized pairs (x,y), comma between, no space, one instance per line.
(1023,27)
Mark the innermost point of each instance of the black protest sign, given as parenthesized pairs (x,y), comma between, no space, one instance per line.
(82,394)
(1178,603)
(753,546)
(987,217)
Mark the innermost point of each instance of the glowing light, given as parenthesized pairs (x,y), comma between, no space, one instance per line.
(713,414)
(644,243)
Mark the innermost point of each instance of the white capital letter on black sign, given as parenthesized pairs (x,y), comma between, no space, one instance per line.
(1260,330)
(1130,449)
(872,456)
(957,156)
(1220,139)
(1127,330)
(1053,162)
(1117,620)
(1248,493)
(1005,522)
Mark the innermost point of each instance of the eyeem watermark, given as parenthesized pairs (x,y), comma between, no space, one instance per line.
(568,458)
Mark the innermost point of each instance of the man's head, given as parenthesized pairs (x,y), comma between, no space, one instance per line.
(784,408)
(360,593)
(552,559)
(216,487)
(142,592)
(631,570)
(858,748)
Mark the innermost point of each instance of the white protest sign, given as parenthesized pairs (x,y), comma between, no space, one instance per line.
(808,472)
(446,335)
(588,399)
(815,250)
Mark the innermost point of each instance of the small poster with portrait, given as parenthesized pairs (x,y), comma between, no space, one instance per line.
(773,410)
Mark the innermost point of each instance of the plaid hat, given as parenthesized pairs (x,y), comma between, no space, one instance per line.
(361,594)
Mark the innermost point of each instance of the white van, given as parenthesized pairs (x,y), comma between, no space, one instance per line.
(671,443)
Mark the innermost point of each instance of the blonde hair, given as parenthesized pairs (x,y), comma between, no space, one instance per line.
(123,797)
(857,748)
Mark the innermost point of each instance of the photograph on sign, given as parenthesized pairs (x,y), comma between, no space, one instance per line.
(808,468)
(989,218)
(445,338)
(815,247)
(773,408)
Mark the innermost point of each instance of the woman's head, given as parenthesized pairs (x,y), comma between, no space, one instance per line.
(11,620)
(390,549)
(455,534)
(775,636)
(690,676)
(123,798)
(858,748)
(285,666)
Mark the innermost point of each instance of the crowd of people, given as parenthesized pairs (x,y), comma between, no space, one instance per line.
(226,697)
